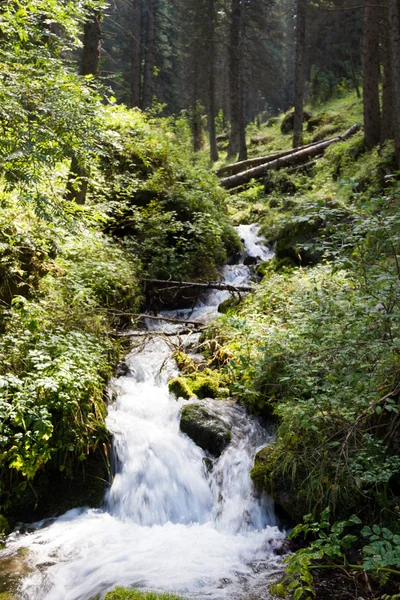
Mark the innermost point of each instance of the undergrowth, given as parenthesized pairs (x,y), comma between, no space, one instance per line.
(316,348)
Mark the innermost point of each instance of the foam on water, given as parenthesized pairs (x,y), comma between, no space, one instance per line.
(168,523)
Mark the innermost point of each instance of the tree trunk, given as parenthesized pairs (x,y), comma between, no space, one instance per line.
(78,175)
(294,158)
(92,46)
(234,78)
(77,182)
(150,56)
(243,165)
(211,81)
(299,73)
(136,53)
(197,127)
(394,36)
(371,71)
(387,104)
(242,88)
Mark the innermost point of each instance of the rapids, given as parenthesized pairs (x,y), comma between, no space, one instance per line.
(168,523)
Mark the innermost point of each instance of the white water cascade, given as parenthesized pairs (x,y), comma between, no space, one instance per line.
(168,522)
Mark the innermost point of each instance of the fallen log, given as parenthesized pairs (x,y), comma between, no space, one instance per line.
(208,285)
(169,320)
(238,167)
(149,333)
(297,156)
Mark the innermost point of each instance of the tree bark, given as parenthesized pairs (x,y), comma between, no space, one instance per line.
(394,36)
(150,56)
(371,72)
(242,90)
(238,167)
(234,76)
(299,73)
(78,176)
(237,138)
(91,46)
(387,103)
(166,283)
(292,159)
(211,82)
(136,53)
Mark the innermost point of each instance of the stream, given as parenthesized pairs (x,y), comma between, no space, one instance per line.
(168,523)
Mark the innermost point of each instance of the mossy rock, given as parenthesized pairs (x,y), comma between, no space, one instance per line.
(4,526)
(135,594)
(56,492)
(267,478)
(206,430)
(295,242)
(287,123)
(180,388)
(7,596)
(259,140)
(206,384)
(229,304)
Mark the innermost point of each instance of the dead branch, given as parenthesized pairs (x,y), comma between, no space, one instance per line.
(208,285)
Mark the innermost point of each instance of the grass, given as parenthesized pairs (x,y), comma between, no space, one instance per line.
(135,594)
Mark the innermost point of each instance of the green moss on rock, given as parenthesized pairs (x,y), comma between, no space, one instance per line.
(180,388)
(206,384)
(125,594)
(206,430)
(230,303)
(268,478)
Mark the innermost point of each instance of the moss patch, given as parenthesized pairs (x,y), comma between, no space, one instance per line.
(266,479)
(125,594)
(180,388)
(206,384)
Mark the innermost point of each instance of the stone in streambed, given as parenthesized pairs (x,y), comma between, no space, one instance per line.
(267,478)
(206,430)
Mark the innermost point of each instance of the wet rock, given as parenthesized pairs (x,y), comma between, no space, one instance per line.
(228,304)
(206,430)
(281,490)
(122,370)
(251,260)
(208,463)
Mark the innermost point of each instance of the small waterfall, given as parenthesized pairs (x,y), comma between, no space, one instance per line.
(168,523)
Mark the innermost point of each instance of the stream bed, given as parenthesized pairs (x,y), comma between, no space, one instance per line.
(168,523)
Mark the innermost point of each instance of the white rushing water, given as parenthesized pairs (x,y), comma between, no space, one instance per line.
(168,523)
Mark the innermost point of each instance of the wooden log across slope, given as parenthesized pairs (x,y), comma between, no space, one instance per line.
(291,159)
(238,167)
(209,285)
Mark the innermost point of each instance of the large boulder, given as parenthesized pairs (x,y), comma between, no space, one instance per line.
(206,430)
